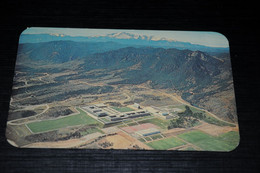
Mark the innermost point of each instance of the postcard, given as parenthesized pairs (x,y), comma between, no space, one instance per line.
(123,89)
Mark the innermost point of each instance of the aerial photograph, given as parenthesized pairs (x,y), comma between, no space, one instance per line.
(123,89)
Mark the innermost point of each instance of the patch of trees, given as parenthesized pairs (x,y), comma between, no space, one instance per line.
(34,88)
(58,111)
(67,77)
(137,147)
(21,114)
(43,137)
(137,100)
(186,119)
(183,122)
(18,84)
(71,135)
(129,102)
(66,95)
(186,113)
(91,90)
(151,97)
(116,104)
(52,136)
(106,144)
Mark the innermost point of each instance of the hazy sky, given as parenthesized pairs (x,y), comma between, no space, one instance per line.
(212,39)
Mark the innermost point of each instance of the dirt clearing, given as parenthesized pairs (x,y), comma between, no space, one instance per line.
(215,130)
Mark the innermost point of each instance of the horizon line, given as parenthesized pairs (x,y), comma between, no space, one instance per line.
(203,38)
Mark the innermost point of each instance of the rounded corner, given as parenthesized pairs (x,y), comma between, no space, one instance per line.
(22,33)
(235,147)
(11,143)
(222,35)
(24,30)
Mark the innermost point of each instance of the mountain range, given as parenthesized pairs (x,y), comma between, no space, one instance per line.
(202,79)
(123,38)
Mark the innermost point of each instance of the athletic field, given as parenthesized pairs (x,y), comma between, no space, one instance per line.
(225,142)
(73,120)
(166,143)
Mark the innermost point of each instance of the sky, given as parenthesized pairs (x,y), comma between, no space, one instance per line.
(212,39)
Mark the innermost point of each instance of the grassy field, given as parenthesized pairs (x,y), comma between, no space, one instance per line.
(46,125)
(182,107)
(224,142)
(141,139)
(123,109)
(104,119)
(154,137)
(132,124)
(148,139)
(232,138)
(211,120)
(165,144)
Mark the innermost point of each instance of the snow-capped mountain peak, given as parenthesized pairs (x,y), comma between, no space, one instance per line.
(125,35)
(57,34)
